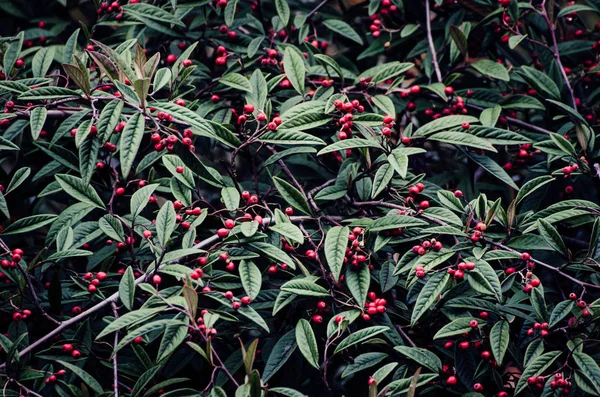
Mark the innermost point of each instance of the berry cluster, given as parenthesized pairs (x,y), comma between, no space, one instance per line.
(21,315)
(414,191)
(53,377)
(270,58)
(569,169)
(477,234)
(460,270)
(15,257)
(345,122)
(113,8)
(68,348)
(376,305)
(94,281)
(427,245)
(541,327)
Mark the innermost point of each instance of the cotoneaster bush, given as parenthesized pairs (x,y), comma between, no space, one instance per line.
(238,198)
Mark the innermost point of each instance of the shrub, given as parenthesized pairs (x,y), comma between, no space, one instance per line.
(299,198)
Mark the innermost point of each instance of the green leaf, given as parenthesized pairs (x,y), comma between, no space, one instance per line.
(493,168)
(11,53)
(231,198)
(46,93)
(127,288)
(69,48)
(18,178)
(540,82)
(42,60)
(382,179)
(249,229)
(280,353)
(563,144)
(349,144)
(295,70)
(399,161)
(253,48)
(444,123)
(290,231)
(574,9)
(364,361)
(37,120)
(342,28)
(531,186)
(515,40)
(561,310)
(158,325)
(237,81)
(79,190)
(292,195)
(536,368)
(28,224)
(328,61)
(69,253)
(462,138)
(358,282)
(128,319)
(421,356)
(305,338)
(283,10)
(289,137)
(359,337)
(84,376)
(229,12)
(489,117)
(165,223)
(251,278)
(589,367)
(428,295)
(551,236)
(171,162)
(131,138)
(456,327)
(273,253)
(336,241)
(161,79)
(491,69)
(174,336)
(139,199)
(385,104)
(499,338)
(152,12)
(88,157)
(4,206)
(112,227)
(394,221)
(539,304)
(304,287)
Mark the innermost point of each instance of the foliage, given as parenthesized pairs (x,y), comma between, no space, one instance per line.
(297,198)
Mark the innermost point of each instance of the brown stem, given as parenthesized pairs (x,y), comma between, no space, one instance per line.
(434,60)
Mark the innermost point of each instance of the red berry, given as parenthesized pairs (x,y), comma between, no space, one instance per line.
(451,380)
(171,59)
(229,223)
(222,232)
(317,319)
(75,354)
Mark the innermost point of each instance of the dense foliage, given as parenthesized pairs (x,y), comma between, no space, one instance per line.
(296,198)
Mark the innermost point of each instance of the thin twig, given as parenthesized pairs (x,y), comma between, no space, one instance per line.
(434,60)
(115,370)
(317,8)
(544,14)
